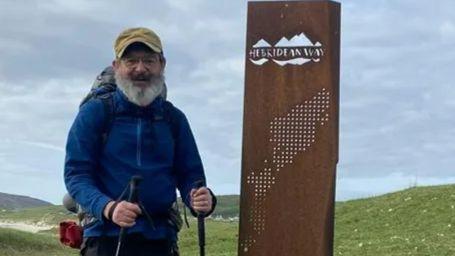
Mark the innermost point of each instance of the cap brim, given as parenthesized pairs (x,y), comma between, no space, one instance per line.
(138,40)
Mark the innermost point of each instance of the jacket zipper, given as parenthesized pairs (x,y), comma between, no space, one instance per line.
(138,151)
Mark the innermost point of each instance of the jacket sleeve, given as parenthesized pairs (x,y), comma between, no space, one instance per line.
(187,162)
(81,161)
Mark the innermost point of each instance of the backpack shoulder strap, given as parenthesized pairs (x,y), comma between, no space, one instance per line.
(109,112)
(170,116)
(99,91)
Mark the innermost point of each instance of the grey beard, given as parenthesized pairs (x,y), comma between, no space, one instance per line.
(140,96)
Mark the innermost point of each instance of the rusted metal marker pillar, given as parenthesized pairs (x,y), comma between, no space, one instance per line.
(290,132)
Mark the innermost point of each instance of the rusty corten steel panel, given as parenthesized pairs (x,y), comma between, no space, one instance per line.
(290,130)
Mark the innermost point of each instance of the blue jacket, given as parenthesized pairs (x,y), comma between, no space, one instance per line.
(96,172)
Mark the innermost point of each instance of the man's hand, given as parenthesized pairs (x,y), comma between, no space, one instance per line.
(201,200)
(124,214)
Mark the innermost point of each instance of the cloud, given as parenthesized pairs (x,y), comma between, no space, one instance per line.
(43,145)
(31,168)
(396,89)
(48,66)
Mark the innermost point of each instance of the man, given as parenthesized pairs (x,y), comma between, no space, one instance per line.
(147,137)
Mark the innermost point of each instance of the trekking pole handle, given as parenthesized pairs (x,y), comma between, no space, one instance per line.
(200,223)
(197,185)
(132,198)
(134,189)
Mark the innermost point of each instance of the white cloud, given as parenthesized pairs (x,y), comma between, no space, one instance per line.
(43,145)
(447,30)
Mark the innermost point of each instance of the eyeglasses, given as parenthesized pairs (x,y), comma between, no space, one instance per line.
(148,62)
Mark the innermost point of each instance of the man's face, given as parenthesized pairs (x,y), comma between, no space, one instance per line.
(139,65)
(139,74)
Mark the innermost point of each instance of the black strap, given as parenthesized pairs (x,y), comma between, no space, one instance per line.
(111,210)
(171,118)
(168,115)
(147,215)
(185,217)
(108,104)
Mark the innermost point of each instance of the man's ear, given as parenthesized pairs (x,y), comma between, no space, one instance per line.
(115,64)
(163,62)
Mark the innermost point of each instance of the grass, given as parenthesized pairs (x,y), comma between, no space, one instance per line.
(220,236)
(418,221)
(13,243)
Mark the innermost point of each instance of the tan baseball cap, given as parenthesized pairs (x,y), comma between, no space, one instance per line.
(134,35)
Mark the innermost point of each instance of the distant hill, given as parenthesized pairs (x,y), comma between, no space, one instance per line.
(17,202)
(227,206)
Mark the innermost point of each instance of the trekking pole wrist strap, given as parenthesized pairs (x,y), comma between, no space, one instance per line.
(111,210)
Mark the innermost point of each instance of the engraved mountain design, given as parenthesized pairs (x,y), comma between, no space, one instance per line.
(297,40)
(261,43)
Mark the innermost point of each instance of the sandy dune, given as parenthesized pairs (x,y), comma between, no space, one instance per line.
(23,226)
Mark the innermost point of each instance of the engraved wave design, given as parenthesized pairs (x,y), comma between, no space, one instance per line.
(296,61)
(260,61)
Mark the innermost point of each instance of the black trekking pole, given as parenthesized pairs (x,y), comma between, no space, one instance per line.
(133,198)
(201,225)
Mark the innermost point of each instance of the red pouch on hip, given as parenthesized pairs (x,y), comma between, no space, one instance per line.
(70,234)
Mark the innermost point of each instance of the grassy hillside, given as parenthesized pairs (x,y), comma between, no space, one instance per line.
(416,221)
(221,236)
(14,243)
(228,206)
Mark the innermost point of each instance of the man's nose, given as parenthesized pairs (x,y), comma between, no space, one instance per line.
(140,67)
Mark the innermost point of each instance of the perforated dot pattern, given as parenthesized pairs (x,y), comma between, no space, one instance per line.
(289,136)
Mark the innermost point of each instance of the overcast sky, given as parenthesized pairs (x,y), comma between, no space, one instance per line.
(397,99)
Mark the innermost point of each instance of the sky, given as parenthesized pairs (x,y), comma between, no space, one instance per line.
(397,94)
